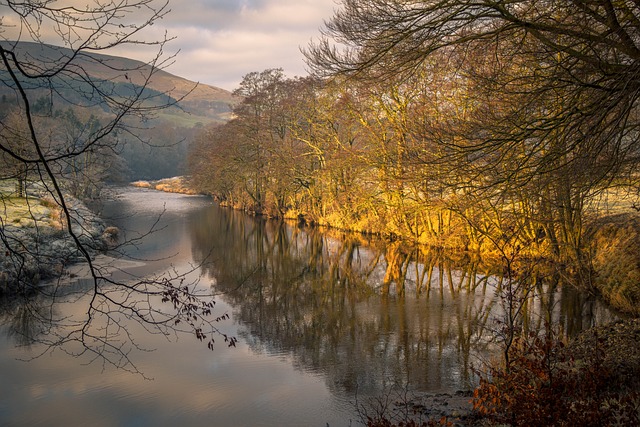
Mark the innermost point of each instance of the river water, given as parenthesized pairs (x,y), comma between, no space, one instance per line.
(324,320)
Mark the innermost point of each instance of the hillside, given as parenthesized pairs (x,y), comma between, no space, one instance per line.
(199,103)
(158,145)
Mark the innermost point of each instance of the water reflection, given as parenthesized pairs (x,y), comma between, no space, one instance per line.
(37,318)
(349,313)
(25,319)
(365,314)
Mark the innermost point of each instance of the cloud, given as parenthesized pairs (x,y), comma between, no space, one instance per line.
(219,41)
(222,40)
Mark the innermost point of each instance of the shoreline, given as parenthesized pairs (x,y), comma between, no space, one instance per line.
(36,245)
(176,184)
(615,250)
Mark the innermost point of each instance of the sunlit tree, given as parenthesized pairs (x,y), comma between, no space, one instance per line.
(554,91)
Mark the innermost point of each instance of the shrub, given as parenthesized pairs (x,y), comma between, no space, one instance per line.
(544,385)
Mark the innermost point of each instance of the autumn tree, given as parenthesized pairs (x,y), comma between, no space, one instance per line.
(271,158)
(331,171)
(216,163)
(554,90)
(261,127)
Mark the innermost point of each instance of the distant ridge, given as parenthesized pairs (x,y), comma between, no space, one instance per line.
(201,101)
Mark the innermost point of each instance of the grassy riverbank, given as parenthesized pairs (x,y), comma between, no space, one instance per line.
(613,249)
(177,184)
(28,211)
(615,254)
(35,243)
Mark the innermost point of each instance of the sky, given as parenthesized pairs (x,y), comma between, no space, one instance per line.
(220,41)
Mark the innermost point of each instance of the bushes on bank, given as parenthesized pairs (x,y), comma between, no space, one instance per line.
(545,384)
(615,248)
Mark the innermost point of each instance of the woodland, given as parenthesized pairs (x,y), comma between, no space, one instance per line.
(503,129)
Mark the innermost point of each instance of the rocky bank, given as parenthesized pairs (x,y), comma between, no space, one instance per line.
(35,245)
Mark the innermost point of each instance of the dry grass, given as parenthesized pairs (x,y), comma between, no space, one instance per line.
(176,184)
(616,260)
(28,212)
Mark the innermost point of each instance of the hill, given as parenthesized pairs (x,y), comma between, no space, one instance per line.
(198,103)
(169,131)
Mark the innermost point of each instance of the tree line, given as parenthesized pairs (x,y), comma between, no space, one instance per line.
(493,126)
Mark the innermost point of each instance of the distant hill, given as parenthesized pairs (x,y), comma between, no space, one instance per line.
(202,103)
(169,133)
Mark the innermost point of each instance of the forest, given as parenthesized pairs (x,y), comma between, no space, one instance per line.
(503,129)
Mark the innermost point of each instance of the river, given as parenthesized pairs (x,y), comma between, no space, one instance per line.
(323,320)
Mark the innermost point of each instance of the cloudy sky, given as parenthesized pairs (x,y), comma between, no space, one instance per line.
(219,41)
(222,40)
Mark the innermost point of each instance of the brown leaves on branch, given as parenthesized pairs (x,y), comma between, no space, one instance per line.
(196,311)
(544,385)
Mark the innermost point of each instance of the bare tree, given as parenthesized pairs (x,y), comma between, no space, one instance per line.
(52,55)
(553,90)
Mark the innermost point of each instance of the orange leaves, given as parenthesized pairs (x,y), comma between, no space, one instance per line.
(544,386)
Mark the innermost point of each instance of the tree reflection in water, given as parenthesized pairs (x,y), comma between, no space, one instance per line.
(26,318)
(367,315)
(40,319)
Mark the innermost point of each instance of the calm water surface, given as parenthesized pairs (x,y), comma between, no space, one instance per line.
(321,318)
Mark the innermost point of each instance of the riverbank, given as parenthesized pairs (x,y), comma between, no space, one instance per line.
(36,244)
(176,184)
(614,250)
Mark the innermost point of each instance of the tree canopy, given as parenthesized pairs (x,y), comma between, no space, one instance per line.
(504,127)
